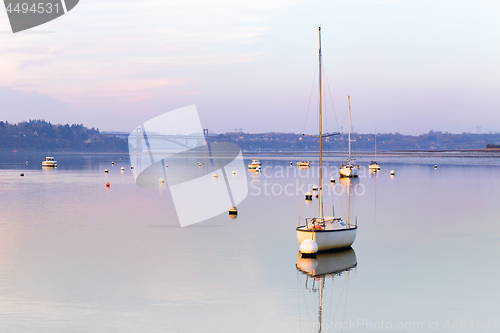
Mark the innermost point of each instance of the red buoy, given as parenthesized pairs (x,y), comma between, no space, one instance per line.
(107,184)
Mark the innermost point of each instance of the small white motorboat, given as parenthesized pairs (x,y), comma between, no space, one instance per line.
(49,162)
(374,166)
(255,164)
(303,164)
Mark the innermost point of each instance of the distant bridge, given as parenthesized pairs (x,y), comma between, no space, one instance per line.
(185,141)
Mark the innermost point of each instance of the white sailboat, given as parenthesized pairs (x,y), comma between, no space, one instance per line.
(374,166)
(349,170)
(323,233)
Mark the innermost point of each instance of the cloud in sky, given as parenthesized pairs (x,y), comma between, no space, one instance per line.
(250,64)
(19,105)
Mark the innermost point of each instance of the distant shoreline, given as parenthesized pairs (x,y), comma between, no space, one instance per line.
(273,152)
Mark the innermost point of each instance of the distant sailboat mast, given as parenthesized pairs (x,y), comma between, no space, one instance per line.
(320,136)
(375,144)
(349,126)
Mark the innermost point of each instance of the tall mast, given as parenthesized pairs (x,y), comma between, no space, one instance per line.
(349,203)
(349,125)
(320,135)
(375,143)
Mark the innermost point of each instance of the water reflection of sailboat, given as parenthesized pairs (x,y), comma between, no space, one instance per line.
(375,176)
(325,266)
(347,184)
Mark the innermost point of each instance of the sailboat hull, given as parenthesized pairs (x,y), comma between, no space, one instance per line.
(328,239)
(349,171)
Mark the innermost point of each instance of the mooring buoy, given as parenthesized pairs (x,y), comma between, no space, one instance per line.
(308,246)
(233,211)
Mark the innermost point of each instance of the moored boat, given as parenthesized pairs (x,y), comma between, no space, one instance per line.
(349,169)
(255,164)
(374,166)
(324,233)
(49,162)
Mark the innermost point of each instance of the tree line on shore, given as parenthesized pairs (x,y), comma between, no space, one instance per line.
(40,134)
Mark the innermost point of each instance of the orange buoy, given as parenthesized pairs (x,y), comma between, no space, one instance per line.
(107,184)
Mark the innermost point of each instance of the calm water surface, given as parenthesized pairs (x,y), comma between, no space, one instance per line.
(76,256)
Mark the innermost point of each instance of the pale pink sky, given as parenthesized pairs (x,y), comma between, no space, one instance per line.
(409,66)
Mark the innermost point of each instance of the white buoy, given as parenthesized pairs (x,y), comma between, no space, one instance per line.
(234,173)
(122,169)
(161,180)
(308,246)
(257,169)
(132,167)
(435,166)
(392,173)
(199,164)
(106,170)
(216,175)
(332,180)
(233,210)
(315,187)
(308,195)
(166,165)
(291,163)
(112,162)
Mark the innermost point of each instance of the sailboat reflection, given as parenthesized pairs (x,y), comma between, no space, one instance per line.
(350,187)
(322,267)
